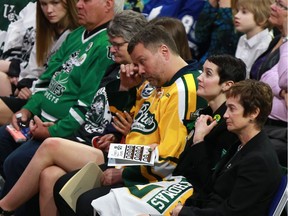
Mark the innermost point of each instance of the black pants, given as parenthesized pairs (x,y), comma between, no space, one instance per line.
(83,206)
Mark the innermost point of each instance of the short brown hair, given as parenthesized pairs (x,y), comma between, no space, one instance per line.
(252,95)
(151,37)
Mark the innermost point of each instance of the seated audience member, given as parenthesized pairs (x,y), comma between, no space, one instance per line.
(57,156)
(210,135)
(219,74)
(164,100)
(51,32)
(68,87)
(176,29)
(271,67)
(251,19)
(214,30)
(247,177)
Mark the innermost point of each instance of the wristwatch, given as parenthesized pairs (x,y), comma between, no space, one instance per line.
(285,39)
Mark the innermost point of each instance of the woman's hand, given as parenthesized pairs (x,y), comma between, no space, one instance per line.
(203,125)
(122,124)
(24,93)
(224,3)
(176,210)
(103,142)
(111,176)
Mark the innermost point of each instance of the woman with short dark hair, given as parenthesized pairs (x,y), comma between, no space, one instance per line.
(247,177)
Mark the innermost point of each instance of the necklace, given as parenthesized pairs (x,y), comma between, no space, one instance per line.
(240,147)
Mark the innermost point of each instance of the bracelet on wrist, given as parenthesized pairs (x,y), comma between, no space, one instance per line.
(285,39)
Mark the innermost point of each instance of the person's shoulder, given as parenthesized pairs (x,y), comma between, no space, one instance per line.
(77,30)
(259,147)
(192,66)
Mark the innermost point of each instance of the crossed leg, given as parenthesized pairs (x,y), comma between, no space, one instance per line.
(55,157)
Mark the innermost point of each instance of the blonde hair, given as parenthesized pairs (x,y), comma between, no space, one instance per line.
(260,10)
(47,32)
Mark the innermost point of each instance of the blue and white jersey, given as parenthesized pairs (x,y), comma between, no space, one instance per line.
(185,10)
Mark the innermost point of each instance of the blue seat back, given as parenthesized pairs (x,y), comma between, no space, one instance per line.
(280,198)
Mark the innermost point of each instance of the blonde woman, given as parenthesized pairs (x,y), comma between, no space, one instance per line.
(54,21)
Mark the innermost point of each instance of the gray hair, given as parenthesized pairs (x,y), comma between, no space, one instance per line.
(118,6)
(126,24)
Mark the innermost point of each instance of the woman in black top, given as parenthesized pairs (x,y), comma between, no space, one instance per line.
(210,137)
(246,178)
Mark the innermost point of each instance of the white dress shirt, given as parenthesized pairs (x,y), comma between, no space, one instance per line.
(250,49)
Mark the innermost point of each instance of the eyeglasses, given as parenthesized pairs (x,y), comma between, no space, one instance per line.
(117,45)
(278,4)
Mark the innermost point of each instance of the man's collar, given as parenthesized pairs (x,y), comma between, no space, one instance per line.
(98,28)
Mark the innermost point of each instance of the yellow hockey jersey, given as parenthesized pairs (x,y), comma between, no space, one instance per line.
(159,116)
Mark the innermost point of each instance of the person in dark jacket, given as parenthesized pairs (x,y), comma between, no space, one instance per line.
(220,72)
(247,177)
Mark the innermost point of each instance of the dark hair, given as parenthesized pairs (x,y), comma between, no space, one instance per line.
(177,30)
(152,37)
(229,68)
(253,95)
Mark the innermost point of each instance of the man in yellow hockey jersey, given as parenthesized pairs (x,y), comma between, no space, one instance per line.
(164,102)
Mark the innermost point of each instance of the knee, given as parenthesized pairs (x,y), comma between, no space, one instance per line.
(49,145)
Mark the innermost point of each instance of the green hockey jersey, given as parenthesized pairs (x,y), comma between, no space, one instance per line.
(65,90)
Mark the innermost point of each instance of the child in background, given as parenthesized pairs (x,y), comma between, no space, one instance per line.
(251,18)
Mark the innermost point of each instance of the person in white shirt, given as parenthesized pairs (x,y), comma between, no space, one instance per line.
(251,19)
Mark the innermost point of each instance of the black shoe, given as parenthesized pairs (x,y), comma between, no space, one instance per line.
(6,213)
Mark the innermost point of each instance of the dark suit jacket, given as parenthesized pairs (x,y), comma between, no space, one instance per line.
(244,181)
(197,163)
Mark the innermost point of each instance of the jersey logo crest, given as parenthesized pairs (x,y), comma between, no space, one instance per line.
(147,90)
(68,66)
(144,121)
(99,115)
(10,13)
